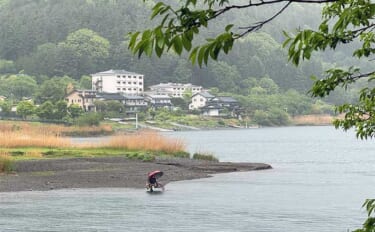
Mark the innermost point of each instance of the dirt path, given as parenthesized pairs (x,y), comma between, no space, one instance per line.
(109,172)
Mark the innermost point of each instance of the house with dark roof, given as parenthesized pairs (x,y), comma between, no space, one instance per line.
(110,97)
(118,81)
(200,100)
(210,105)
(159,101)
(221,106)
(134,103)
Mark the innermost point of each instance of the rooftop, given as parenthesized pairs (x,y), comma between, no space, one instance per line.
(115,72)
(205,94)
(170,84)
(110,96)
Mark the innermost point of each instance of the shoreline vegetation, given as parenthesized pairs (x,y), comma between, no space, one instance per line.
(40,157)
(37,156)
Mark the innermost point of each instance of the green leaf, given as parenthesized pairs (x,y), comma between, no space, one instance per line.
(201,52)
(193,55)
(133,39)
(156,9)
(228,27)
(177,44)
(186,42)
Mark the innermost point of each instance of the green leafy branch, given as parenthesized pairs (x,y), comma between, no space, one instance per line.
(179,26)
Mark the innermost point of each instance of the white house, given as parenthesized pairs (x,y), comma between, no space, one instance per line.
(200,100)
(82,98)
(118,81)
(175,90)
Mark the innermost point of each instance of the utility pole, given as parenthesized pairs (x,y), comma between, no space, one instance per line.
(136,121)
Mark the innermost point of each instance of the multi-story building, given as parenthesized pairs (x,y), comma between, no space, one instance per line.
(118,81)
(175,90)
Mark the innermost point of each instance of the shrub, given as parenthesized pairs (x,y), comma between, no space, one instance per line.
(89,119)
(181,154)
(6,164)
(201,156)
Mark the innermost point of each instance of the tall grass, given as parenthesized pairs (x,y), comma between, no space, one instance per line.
(146,140)
(313,120)
(26,135)
(27,139)
(53,129)
(23,134)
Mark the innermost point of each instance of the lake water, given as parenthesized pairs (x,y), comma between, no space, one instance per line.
(320,179)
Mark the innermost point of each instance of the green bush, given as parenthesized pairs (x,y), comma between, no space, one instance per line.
(6,164)
(181,154)
(89,119)
(17,153)
(209,157)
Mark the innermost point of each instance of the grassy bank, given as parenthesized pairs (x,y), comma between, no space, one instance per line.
(24,141)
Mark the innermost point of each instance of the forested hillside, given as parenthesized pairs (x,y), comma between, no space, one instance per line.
(74,38)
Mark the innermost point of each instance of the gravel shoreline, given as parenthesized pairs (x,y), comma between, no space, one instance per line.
(116,172)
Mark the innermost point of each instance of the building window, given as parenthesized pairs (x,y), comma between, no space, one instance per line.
(118,89)
(140,83)
(134,77)
(129,76)
(124,82)
(140,89)
(118,82)
(123,76)
(129,83)
(134,82)
(129,89)
(118,76)
(135,89)
(140,78)
(124,89)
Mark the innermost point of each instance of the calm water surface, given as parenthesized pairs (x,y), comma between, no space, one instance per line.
(320,179)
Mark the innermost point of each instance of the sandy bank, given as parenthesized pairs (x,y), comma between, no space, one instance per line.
(110,172)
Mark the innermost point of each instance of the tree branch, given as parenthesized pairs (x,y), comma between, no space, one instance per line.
(260,24)
(262,3)
(353,78)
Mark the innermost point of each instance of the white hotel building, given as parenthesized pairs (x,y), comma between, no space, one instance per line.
(175,90)
(118,81)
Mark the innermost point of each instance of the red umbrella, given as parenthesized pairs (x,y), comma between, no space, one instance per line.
(156,174)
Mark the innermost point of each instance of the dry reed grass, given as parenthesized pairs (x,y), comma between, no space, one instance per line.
(146,140)
(32,139)
(313,120)
(21,135)
(51,129)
